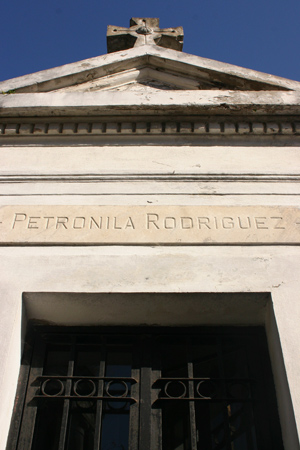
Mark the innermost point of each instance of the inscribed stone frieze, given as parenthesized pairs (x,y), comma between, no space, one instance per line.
(101,225)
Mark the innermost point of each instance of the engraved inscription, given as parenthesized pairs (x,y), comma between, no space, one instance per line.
(148,224)
(156,221)
(22,220)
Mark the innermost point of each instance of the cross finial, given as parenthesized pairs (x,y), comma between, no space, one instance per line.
(143,30)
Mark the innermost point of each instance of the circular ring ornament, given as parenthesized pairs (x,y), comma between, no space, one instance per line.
(208,388)
(111,383)
(88,393)
(58,389)
(177,387)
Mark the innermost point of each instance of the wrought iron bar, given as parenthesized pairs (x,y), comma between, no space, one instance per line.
(66,407)
(86,397)
(192,411)
(99,407)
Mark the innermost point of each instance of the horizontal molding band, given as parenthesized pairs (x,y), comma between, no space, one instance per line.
(174,177)
(149,128)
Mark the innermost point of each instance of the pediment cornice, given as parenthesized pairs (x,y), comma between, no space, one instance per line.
(214,102)
(206,72)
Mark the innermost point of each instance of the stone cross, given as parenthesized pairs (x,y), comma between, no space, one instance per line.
(143,31)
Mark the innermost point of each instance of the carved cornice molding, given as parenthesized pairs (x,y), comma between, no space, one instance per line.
(132,128)
(164,177)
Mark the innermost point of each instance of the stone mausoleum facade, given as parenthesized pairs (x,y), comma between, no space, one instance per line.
(150,261)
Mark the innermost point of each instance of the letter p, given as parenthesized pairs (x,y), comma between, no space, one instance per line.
(19,217)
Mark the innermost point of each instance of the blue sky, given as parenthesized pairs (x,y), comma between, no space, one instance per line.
(259,34)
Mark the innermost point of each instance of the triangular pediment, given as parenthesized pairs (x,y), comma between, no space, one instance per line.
(146,78)
(146,68)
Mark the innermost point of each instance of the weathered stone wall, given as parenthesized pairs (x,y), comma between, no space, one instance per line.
(223,162)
